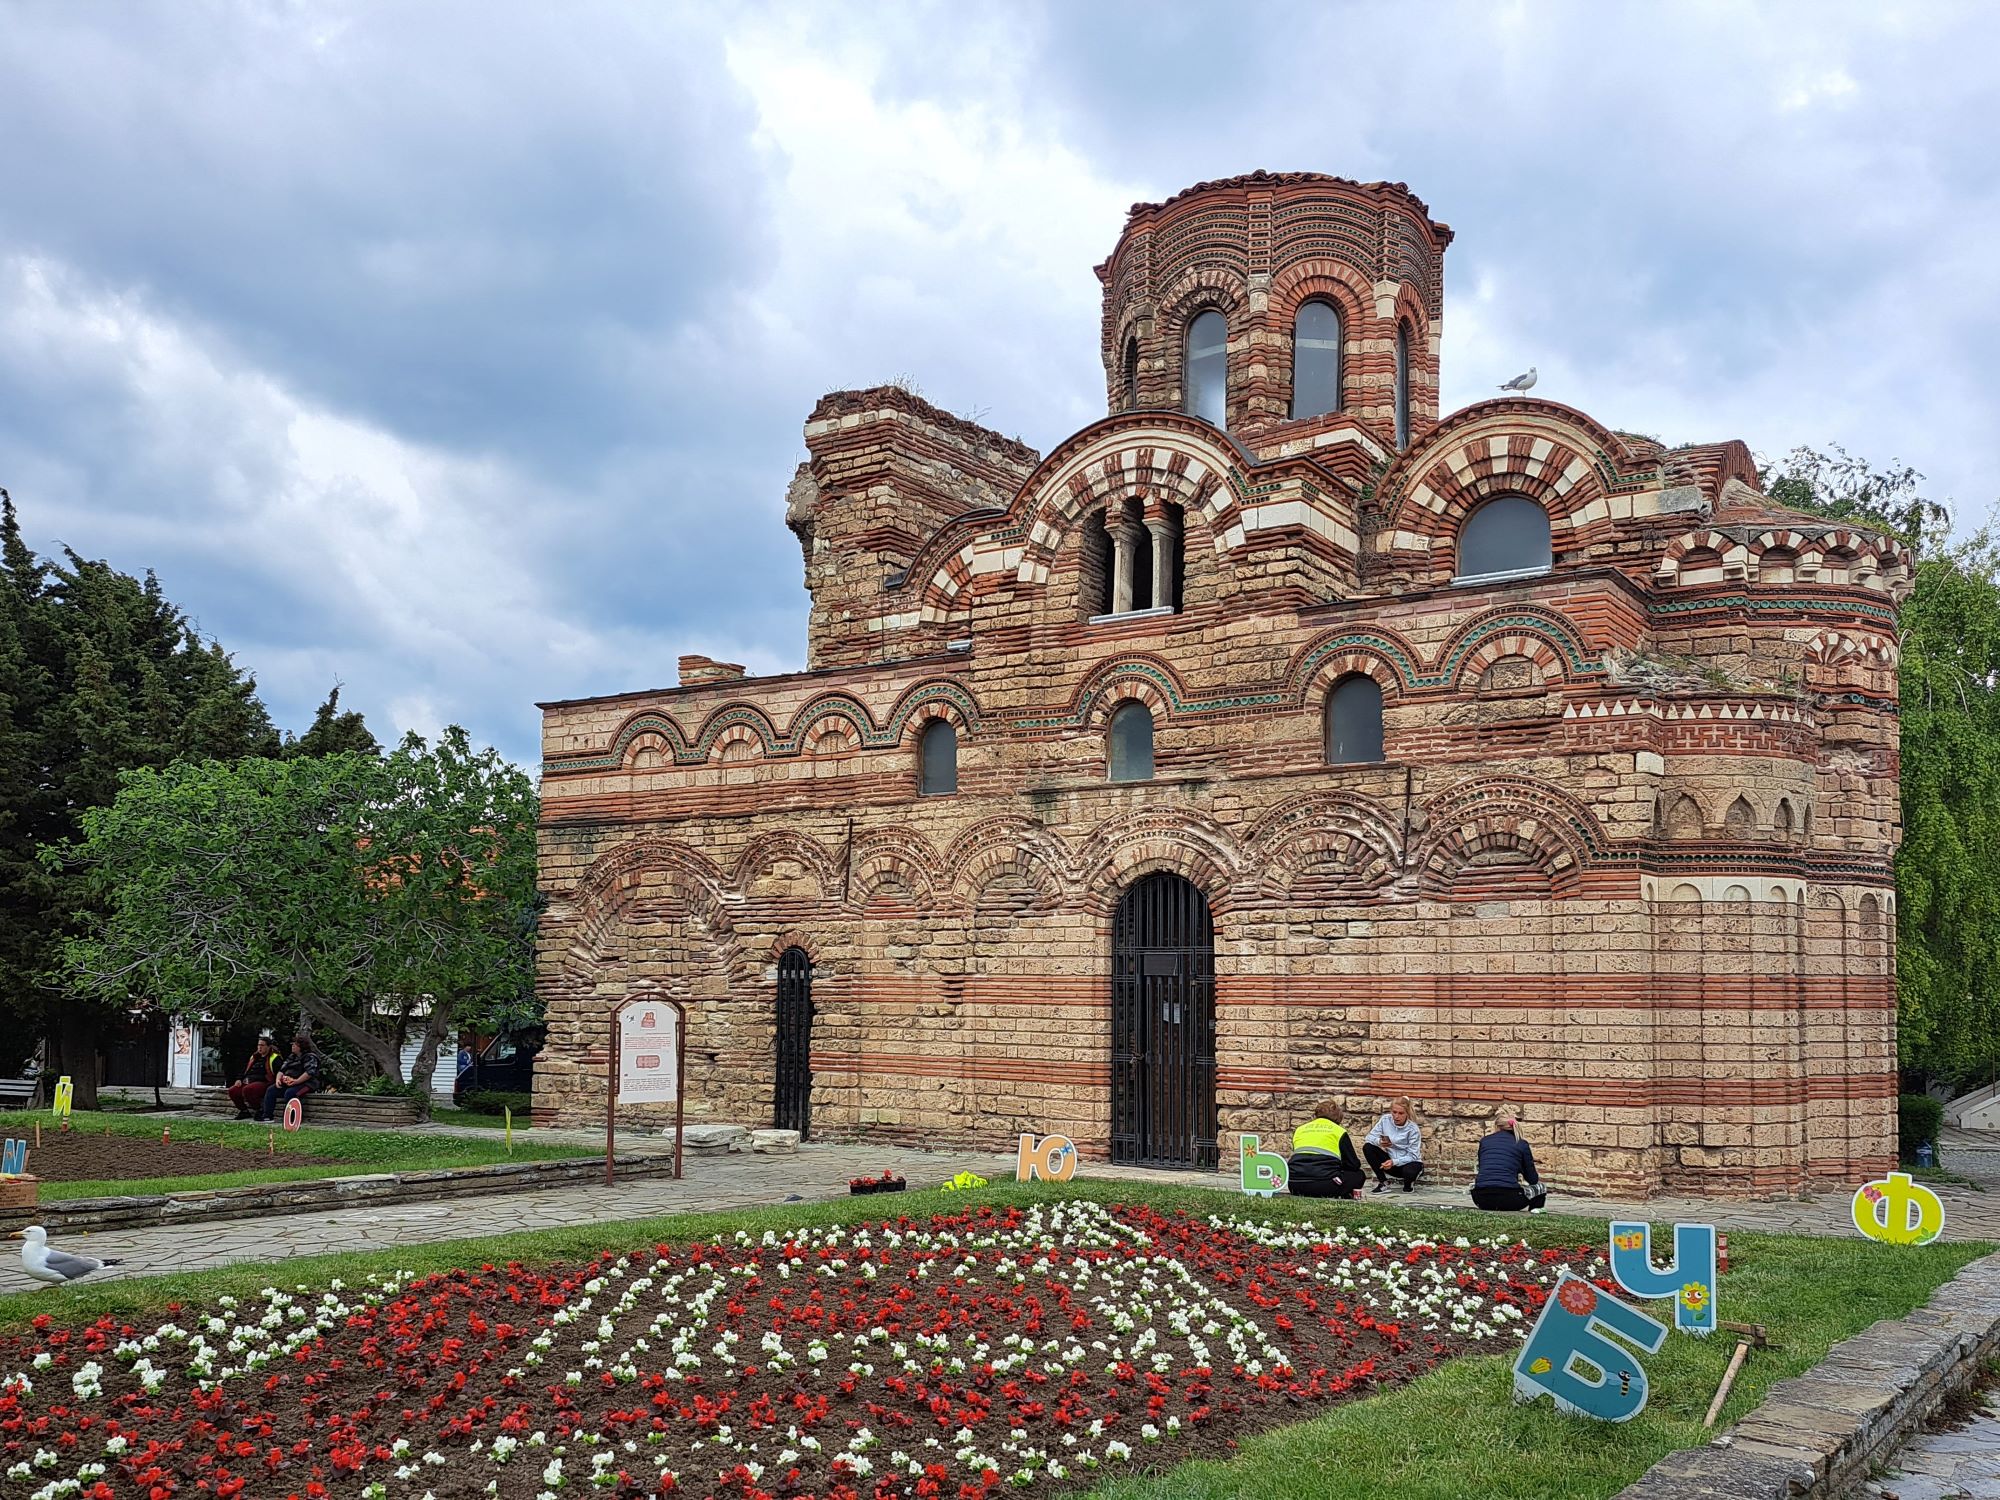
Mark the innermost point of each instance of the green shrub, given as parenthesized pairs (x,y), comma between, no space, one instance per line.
(382,1086)
(494,1102)
(1918,1118)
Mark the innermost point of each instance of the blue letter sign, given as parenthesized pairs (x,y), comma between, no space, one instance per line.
(1689,1280)
(1570,1333)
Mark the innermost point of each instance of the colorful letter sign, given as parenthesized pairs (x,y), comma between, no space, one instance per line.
(295,1112)
(648,1053)
(1690,1279)
(1898,1211)
(1265,1173)
(14,1158)
(1051,1158)
(65,1092)
(1571,1332)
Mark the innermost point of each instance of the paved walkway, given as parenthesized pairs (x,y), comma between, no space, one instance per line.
(819,1171)
(1963,1464)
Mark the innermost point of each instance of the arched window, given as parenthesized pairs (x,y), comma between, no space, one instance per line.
(1132,743)
(1316,360)
(938,755)
(1207,374)
(1131,373)
(1507,535)
(1354,721)
(1402,386)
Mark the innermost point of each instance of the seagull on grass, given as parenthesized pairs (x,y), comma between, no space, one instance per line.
(56,1267)
(1521,382)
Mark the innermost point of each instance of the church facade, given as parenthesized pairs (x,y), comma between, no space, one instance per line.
(1272,739)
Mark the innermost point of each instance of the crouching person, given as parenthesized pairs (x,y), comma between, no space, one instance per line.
(1395,1148)
(1323,1161)
(1505,1162)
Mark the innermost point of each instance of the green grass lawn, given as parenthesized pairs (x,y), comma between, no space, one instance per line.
(352,1151)
(1451,1435)
(444,1114)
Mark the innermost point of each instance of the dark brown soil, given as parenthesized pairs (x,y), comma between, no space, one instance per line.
(72,1156)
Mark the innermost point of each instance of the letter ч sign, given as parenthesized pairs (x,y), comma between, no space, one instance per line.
(1690,1278)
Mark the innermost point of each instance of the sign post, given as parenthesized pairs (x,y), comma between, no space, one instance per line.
(648,1066)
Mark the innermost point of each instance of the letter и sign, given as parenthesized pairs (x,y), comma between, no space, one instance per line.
(648,1050)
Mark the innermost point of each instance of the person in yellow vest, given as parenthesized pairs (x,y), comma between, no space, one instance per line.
(1323,1161)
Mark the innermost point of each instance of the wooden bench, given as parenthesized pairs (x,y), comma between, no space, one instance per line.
(18,1093)
(341,1111)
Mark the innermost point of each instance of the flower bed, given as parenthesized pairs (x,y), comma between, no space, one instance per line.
(951,1356)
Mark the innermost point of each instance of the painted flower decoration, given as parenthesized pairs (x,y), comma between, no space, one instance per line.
(1578,1297)
(1694,1296)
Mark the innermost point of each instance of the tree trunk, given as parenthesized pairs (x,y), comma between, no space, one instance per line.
(73,1052)
(439,1027)
(382,1054)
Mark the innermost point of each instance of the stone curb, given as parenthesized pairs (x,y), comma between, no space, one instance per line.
(322,1193)
(1819,1433)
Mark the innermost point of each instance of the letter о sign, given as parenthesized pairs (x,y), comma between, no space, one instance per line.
(295,1113)
(1569,1358)
(1689,1279)
(1265,1173)
(1051,1158)
(1898,1211)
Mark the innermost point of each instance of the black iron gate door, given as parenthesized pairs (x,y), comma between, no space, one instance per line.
(792,1109)
(1163,1026)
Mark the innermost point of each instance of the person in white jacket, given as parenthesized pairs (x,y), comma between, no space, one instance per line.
(1395,1148)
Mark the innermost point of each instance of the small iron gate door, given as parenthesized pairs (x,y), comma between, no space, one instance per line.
(792,1109)
(1163,1026)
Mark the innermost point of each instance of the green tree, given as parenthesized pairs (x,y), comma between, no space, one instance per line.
(378,899)
(332,732)
(1948,869)
(102,674)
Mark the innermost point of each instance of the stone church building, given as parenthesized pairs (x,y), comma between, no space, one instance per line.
(1274,738)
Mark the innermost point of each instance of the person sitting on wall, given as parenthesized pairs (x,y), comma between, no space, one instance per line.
(1505,1162)
(248,1091)
(1395,1148)
(1323,1161)
(298,1075)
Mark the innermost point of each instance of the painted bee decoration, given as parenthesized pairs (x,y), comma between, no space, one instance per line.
(1624,1382)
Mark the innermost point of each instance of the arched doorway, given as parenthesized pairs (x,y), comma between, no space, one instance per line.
(1163,1026)
(792,1105)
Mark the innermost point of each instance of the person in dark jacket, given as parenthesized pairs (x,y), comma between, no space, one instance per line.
(1505,1162)
(248,1091)
(298,1075)
(1323,1161)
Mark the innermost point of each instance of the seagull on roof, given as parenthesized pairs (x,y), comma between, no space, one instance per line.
(1521,382)
(56,1267)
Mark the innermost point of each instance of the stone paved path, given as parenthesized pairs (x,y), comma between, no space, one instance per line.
(1963,1464)
(818,1171)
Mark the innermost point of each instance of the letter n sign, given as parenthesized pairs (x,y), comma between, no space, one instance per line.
(14,1158)
(1570,1338)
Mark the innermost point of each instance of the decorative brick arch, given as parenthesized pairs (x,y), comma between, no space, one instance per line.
(1739,562)
(1123,849)
(1545,636)
(938,699)
(844,707)
(735,716)
(1128,679)
(1358,833)
(998,847)
(767,849)
(808,943)
(1549,453)
(1557,833)
(649,867)
(900,855)
(649,722)
(1374,652)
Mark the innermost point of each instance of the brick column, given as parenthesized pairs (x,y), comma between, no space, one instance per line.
(1124,538)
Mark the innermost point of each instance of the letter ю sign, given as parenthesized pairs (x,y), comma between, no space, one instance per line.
(1051,1158)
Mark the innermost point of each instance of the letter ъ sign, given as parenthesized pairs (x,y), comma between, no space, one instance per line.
(1898,1211)
(1569,1358)
(1051,1158)
(1265,1173)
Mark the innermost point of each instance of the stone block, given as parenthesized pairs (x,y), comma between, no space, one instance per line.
(774,1142)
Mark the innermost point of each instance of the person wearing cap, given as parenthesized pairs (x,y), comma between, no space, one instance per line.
(1323,1161)
(1505,1162)
(1395,1148)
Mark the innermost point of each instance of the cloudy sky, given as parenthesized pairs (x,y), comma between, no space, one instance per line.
(459,352)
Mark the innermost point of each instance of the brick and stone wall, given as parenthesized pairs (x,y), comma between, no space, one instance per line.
(1626,860)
